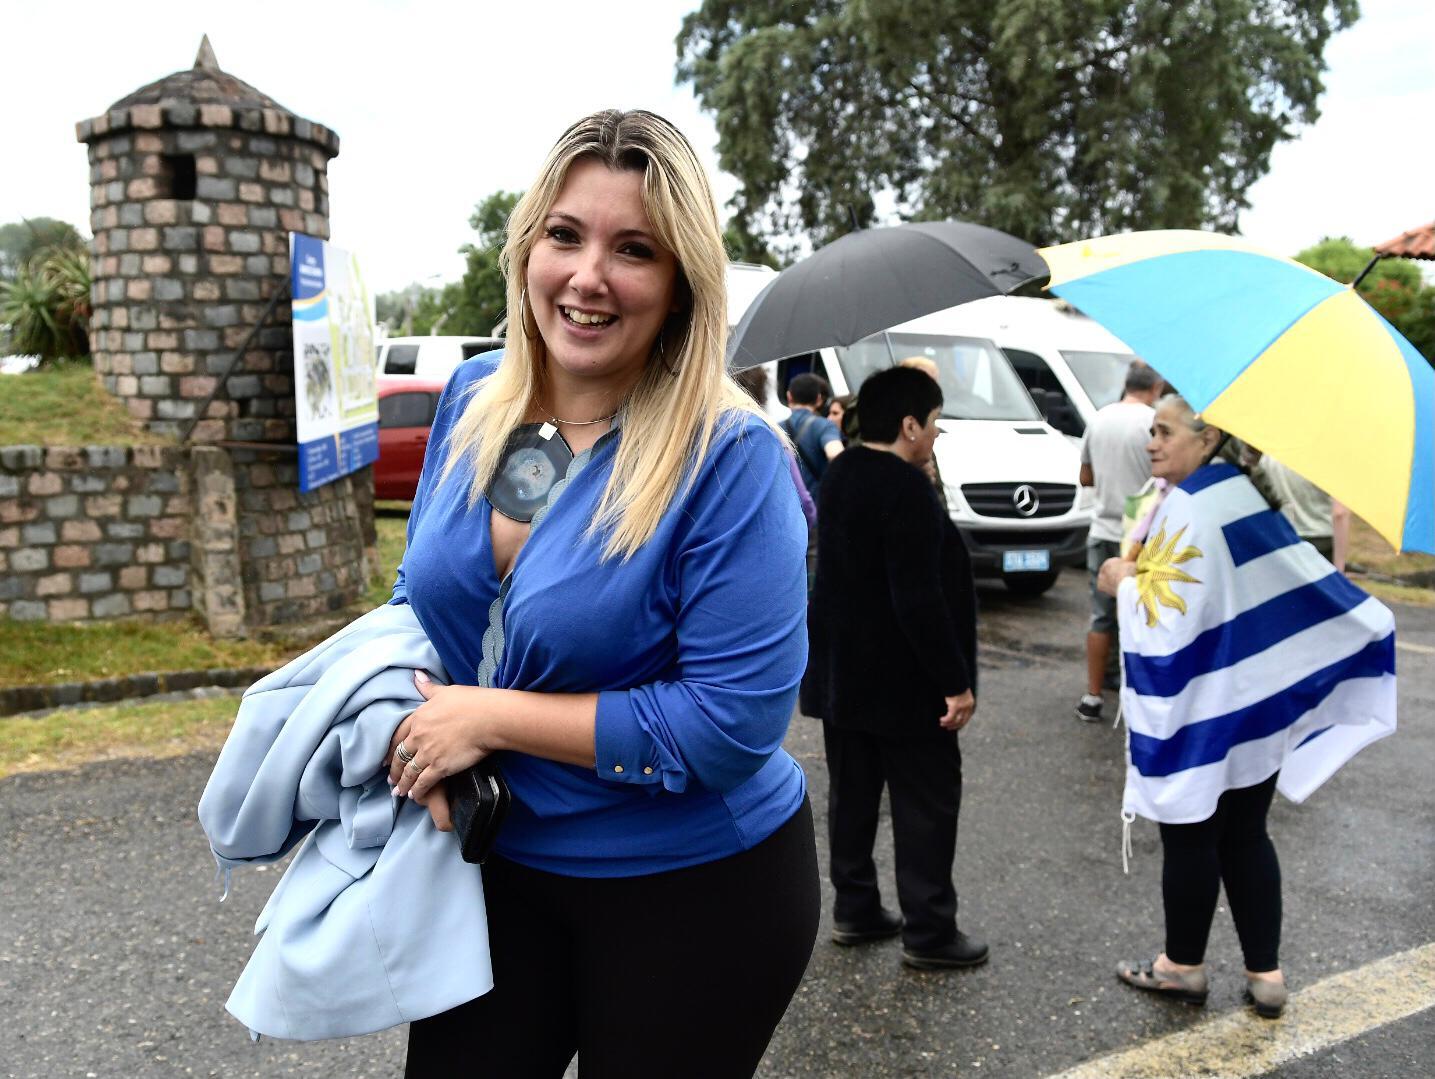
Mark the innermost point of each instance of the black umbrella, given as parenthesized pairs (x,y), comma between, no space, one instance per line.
(877,278)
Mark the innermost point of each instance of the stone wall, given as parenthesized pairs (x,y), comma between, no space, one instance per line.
(99,532)
(303,555)
(94,532)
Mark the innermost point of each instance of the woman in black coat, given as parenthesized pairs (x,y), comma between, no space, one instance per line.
(892,673)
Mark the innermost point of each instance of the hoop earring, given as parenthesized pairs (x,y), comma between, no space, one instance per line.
(523,314)
(663,357)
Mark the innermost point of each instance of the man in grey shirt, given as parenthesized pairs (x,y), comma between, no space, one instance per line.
(1115,462)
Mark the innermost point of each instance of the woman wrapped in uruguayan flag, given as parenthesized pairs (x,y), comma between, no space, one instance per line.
(1249,663)
(1245,653)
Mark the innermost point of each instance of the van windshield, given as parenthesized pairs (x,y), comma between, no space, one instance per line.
(1101,374)
(977,381)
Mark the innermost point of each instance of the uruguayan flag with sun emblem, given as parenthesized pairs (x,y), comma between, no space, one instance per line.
(1244,653)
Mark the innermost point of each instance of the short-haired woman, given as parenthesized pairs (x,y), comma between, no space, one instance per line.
(893,673)
(595,508)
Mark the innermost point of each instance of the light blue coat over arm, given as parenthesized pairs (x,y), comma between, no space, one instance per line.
(377,921)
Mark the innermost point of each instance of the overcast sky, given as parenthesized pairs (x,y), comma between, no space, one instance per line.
(440,104)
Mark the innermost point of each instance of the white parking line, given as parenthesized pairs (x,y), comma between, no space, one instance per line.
(1423,649)
(1238,1045)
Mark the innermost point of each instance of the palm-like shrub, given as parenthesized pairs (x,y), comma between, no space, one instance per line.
(47,306)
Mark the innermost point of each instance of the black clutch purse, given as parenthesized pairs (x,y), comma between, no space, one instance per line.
(478,801)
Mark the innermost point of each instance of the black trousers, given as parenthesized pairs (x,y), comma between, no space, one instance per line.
(1232,846)
(680,973)
(923,777)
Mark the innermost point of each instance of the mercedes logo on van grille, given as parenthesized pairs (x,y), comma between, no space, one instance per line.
(1025,500)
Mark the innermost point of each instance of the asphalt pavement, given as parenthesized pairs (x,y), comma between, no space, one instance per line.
(116,956)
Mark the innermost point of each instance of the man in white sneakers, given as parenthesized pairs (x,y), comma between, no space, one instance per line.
(1115,462)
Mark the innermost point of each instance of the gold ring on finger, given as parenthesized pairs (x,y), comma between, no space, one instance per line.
(414,767)
(403,752)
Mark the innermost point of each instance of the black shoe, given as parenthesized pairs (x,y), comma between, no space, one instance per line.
(885,926)
(965,951)
(1089,708)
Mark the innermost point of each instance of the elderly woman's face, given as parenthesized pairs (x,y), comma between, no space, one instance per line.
(599,283)
(1176,450)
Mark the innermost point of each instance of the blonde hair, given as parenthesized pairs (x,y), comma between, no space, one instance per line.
(925,364)
(683,392)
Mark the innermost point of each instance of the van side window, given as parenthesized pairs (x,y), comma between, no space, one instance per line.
(1036,374)
(401,360)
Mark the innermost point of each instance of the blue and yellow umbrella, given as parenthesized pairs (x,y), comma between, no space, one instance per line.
(1277,354)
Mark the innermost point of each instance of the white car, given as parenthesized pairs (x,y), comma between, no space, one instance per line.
(430,358)
(18,365)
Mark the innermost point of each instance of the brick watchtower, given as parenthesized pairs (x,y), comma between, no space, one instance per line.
(196,181)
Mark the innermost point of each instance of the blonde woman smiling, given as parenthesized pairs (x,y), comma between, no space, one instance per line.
(597,506)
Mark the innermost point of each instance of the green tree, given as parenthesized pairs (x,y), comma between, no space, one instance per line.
(477,303)
(434,309)
(390,308)
(743,246)
(1052,119)
(1394,287)
(470,306)
(1340,258)
(22,241)
(47,305)
(397,310)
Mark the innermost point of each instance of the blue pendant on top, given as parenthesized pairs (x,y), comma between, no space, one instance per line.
(534,459)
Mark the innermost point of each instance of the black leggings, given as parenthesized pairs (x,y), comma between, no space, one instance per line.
(1232,846)
(680,973)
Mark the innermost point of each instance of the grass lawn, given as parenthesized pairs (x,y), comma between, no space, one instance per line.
(71,738)
(1370,551)
(64,405)
(33,653)
(392,540)
(38,653)
(1398,593)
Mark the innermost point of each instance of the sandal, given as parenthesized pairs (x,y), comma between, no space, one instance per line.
(1188,987)
(1267,997)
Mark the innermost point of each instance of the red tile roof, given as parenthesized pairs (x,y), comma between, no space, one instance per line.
(1414,244)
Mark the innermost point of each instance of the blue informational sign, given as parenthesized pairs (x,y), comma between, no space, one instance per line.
(335,393)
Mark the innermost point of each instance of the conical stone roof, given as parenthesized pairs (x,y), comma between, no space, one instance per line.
(203,84)
(204,96)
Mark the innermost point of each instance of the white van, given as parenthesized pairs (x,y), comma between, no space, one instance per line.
(432,358)
(1011,479)
(1071,365)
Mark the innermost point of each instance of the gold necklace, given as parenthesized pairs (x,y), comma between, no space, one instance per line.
(579,423)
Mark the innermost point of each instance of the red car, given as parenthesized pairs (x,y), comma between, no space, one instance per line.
(406,411)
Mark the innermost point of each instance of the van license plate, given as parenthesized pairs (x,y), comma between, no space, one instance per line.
(1026,561)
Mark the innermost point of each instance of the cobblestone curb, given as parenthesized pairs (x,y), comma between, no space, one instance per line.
(16,699)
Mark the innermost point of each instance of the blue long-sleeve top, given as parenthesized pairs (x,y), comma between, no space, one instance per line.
(695,646)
